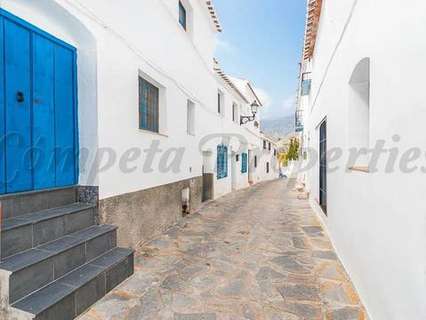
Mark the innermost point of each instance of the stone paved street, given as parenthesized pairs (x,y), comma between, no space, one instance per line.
(259,253)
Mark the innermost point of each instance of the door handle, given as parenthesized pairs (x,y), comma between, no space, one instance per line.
(20,96)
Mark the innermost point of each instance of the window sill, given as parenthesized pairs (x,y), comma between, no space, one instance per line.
(363,169)
(153,133)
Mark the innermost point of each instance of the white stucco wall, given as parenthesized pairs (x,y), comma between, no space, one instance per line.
(376,220)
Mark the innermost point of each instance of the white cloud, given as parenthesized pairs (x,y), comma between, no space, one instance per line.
(289,105)
(264,97)
(272,110)
(225,46)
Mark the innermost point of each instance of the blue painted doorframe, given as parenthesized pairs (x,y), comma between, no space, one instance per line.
(38,108)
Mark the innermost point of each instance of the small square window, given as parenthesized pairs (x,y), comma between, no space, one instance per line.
(182,15)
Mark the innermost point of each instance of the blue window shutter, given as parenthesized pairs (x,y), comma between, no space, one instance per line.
(244,163)
(225,160)
(222,161)
(219,162)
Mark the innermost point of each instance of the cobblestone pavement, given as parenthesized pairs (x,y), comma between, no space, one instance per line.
(259,253)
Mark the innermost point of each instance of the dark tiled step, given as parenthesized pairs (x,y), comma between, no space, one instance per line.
(38,267)
(71,295)
(17,204)
(33,229)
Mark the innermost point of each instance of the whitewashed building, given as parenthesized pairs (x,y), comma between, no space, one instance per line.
(122,117)
(148,106)
(362,107)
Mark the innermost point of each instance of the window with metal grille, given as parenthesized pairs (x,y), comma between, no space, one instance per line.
(267,167)
(222,161)
(244,163)
(182,15)
(148,106)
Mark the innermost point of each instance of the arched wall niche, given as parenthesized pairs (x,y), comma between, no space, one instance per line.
(359,109)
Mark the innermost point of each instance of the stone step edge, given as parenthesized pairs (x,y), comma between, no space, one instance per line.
(125,254)
(51,213)
(7,196)
(48,254)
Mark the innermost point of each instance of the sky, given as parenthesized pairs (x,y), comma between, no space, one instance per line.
(262,41)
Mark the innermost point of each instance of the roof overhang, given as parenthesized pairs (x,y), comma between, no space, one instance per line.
(254,93)
(312,23)
(227,80)
(213,15)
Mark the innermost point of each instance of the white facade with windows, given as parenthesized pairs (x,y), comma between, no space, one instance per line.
(152,107)
(364,58)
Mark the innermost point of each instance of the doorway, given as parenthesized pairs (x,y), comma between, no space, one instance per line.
(234,170)
(38,108)
(323,166)
(208,177)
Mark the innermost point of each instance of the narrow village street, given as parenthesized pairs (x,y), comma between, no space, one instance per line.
(259,253)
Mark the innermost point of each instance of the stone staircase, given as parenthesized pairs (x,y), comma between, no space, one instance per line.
(55,260)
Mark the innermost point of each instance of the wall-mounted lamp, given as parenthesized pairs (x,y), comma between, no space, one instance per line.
(254,108)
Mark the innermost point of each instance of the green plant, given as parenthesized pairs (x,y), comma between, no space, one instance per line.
(293,150)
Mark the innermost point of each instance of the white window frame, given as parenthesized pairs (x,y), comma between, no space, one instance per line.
(221,103)
(189,17)
(190,118)
(162,108)
(235,113)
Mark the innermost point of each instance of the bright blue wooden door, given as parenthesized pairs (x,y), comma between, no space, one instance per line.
(2,114)
(17,52)
(64,111)
(38,117)
(43,138)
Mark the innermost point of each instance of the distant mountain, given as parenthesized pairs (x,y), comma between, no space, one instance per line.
(279,127)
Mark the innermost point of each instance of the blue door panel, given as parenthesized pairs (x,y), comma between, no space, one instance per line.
(64,116)
(2,114)
(18,103)
(43,136)
(38,108)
